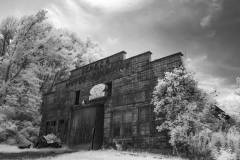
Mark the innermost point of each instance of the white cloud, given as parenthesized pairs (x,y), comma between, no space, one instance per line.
(112,41)
(206,20)
(115,5)
(209,80)
(231,97)
(55,16)
(213,7)
(68,14)
(209,83)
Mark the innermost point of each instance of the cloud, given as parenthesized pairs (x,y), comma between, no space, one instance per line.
(209,83)
(115,5)
(213,7)
(112,41)
(206,20)
(207,30)
(230,98)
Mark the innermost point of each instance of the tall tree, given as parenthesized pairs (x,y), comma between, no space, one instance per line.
(19,84)
(34,56)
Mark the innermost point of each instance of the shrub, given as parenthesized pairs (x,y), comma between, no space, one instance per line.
(18,132)
(52,138)
(186,111)
(199,144)
(226,144)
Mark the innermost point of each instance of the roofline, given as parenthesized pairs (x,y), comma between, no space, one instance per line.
(139,55)
(98,61)
(179,53)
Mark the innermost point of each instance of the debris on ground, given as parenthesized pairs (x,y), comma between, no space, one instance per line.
(49,140)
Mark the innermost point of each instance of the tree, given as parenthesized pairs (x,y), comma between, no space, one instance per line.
(34,56)
(90,53)
(20,54)
(187,108)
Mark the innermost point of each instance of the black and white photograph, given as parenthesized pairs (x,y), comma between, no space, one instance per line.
(119,79)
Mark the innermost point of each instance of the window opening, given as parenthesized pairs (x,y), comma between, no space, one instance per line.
(51,127)
(77,94)
(116,124)
(109,85)
(144,118)
(127,123)
(60,125)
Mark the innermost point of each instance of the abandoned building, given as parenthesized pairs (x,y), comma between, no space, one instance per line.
(108,100)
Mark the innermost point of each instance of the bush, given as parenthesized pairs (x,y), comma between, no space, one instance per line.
(226,144)
(212,145)
(198,144)
(224,154)
(52,138)
(18,132)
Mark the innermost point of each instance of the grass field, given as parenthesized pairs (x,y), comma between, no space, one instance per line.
(12,152)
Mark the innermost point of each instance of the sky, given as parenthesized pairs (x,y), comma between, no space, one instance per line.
(205,31)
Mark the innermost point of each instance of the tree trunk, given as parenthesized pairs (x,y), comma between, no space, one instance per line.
(7,72)
(3,49)
(53,83)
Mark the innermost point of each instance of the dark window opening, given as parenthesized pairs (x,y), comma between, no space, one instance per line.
(127,129)
(60,126)
(61,121)
(50,127)
(116,124)
(77,94)
(144,121)
(51,123)
(116,130)
(109,85)
(127,123)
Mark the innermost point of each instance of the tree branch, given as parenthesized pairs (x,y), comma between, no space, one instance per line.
(55,77)
(43,84)
(3,49)
(7,72)
(19,70)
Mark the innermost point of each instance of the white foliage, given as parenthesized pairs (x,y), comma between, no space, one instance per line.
(37,57)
